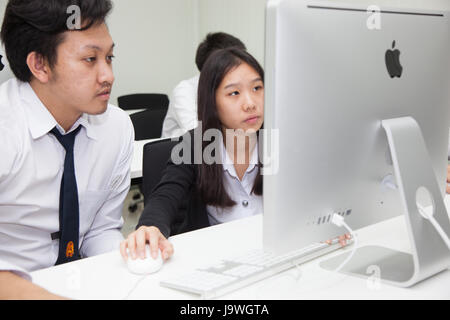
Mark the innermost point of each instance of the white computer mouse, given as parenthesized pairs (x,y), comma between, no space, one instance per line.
(147,265)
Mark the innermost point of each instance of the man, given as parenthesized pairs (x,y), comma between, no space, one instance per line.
(182,113)
(65,153)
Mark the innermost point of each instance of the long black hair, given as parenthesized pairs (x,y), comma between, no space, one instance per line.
(210,182)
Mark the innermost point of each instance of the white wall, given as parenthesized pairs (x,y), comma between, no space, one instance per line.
(242,18)
(155,44)
(6,73)
(157,39)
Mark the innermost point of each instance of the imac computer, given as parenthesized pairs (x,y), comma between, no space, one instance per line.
(359,97)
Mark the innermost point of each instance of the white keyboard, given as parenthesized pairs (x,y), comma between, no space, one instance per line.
(241,271)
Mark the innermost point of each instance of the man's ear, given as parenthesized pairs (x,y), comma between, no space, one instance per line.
(39,67)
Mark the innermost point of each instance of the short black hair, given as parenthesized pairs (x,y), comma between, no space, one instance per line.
(38,26)
(213,42)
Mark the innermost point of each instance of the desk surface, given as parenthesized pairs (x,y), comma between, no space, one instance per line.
(106,276)
(138,154)
(133,111)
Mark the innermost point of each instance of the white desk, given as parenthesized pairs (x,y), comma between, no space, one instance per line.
(130,112)
(106,276)
(138,153)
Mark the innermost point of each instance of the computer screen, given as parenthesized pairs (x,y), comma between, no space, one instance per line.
(334,72)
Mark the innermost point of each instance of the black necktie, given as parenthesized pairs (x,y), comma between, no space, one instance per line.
(68,202)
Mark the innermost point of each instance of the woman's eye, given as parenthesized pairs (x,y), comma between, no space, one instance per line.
(91,59)
(257,88)
(234,93)
(111,57)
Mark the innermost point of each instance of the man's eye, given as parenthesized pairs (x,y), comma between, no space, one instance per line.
(257,88)
(111,57)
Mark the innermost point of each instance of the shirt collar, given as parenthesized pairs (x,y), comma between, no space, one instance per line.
(89,123)
(228,164)
(41,121)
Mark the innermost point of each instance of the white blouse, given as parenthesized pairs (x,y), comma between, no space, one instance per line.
(247,203)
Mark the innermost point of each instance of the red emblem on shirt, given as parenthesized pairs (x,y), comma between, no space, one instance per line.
(70,250)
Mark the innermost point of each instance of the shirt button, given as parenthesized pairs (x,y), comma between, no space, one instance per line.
(245,203)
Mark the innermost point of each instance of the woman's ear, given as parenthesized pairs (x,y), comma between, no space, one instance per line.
(38,66)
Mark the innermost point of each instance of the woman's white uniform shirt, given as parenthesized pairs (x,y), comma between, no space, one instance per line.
(247,203)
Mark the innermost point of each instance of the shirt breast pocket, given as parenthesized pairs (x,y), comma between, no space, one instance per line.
(90,203)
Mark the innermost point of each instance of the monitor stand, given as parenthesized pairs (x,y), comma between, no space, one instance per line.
(430,255)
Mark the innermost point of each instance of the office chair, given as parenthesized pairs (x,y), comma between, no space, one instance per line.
(156,156)
(143,101)
(148,124)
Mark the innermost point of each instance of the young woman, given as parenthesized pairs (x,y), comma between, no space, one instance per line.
(230,102)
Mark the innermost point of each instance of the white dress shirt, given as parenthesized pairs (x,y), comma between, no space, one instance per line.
(247,203)
(182,113)
(31,168)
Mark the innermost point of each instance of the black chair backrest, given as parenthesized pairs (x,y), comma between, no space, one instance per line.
(148,123)
(143,101)
(156,156)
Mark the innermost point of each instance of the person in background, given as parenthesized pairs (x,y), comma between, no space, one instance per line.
(182,113)
(65,152)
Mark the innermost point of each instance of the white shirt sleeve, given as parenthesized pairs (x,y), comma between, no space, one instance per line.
(9,154)
(182,113)
(104,234)
(6,266)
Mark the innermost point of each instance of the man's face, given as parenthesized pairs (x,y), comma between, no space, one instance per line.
(82,78)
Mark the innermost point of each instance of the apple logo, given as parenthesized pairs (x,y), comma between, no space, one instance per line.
(2,66)
(393,65)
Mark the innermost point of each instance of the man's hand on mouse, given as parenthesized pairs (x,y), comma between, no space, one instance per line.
(136,241)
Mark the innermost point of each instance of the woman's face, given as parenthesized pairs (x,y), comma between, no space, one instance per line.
(240,99)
